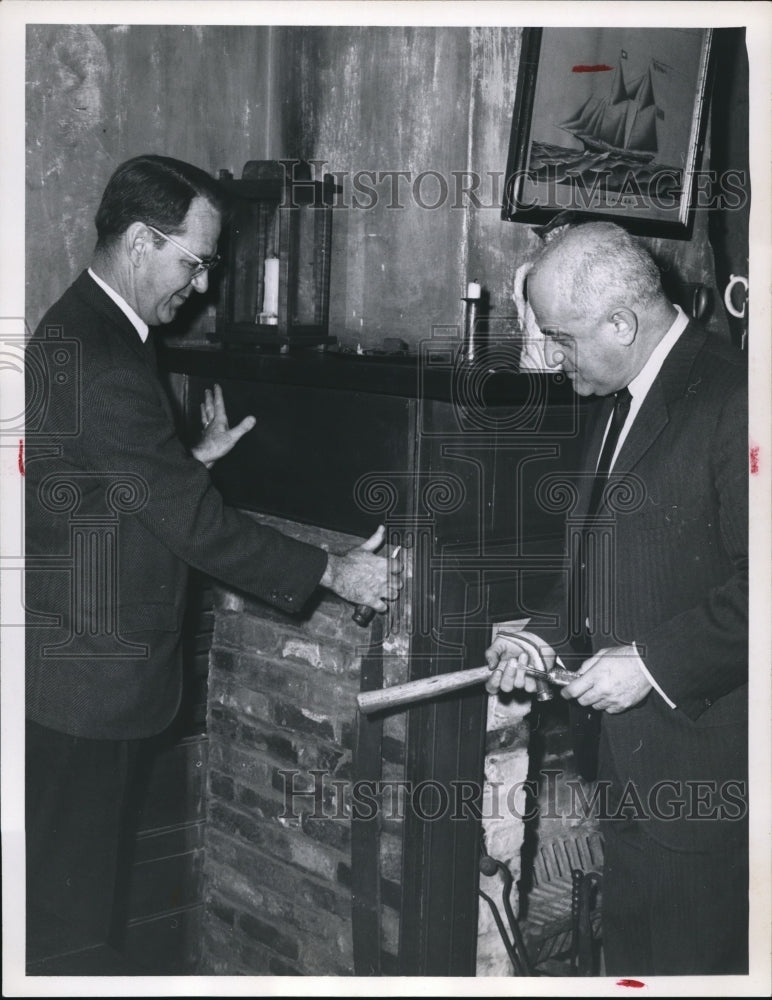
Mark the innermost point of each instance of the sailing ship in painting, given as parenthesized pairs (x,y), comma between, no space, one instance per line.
(624,122)
(618,133)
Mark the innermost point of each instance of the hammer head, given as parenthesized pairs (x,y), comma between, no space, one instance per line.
(543,691)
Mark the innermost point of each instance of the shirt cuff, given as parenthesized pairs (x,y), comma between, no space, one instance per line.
(651,680)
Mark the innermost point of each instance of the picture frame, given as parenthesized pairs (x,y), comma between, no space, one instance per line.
(609,123)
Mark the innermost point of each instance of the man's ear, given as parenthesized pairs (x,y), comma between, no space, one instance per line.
(137,241)
(625,324)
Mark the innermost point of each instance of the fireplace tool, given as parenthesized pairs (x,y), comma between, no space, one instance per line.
(515,946)
(582,956)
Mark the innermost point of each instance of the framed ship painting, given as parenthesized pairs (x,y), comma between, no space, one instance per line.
(610,123)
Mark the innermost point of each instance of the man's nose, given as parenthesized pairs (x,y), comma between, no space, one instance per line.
(200,281)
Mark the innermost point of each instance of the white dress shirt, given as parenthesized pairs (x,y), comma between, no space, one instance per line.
(643,381)
(139,324)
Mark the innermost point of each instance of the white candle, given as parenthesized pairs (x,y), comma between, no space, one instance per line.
(271,287)
(473,290)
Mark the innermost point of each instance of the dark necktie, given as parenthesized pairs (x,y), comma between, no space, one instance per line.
(584,723)
(622,402)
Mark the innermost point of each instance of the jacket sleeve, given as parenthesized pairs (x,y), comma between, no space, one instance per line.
(126,429)
(701,653)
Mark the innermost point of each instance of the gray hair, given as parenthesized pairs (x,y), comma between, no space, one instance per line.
(600,265)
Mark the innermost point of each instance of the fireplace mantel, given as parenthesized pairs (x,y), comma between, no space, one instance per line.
(432,373)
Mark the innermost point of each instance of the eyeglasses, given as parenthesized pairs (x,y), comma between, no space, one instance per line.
(203,265)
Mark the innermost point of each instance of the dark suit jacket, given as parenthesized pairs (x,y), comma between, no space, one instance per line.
(116,511)
(674,580)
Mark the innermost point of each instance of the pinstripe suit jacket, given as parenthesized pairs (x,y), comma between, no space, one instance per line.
(674,580)
(116,512)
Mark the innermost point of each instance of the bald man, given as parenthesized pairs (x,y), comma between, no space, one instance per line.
(651,610)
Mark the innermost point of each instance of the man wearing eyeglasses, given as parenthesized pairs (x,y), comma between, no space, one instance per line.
(112,488)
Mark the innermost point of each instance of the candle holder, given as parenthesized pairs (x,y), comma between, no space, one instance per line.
(276,245)
(470,348)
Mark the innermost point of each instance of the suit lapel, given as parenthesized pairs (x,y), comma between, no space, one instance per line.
(98,300)
(149,349)
(651,420)
(597,422)
(670,385)
(120,324)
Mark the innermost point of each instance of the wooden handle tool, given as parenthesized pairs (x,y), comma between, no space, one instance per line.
(431,687)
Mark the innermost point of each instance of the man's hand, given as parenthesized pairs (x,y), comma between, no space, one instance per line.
(532,354)
(217,438)
(610,681)
(362,577)
(506,656)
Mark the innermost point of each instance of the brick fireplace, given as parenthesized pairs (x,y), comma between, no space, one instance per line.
(282,728)
(338,843)
(282,743)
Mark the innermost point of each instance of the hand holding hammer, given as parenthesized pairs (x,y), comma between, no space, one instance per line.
(515,659)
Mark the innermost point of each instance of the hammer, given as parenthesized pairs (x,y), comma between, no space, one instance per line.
(429,687)
(543,690)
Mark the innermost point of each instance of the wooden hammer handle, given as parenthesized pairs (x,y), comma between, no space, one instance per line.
(427,687)
(431,687)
